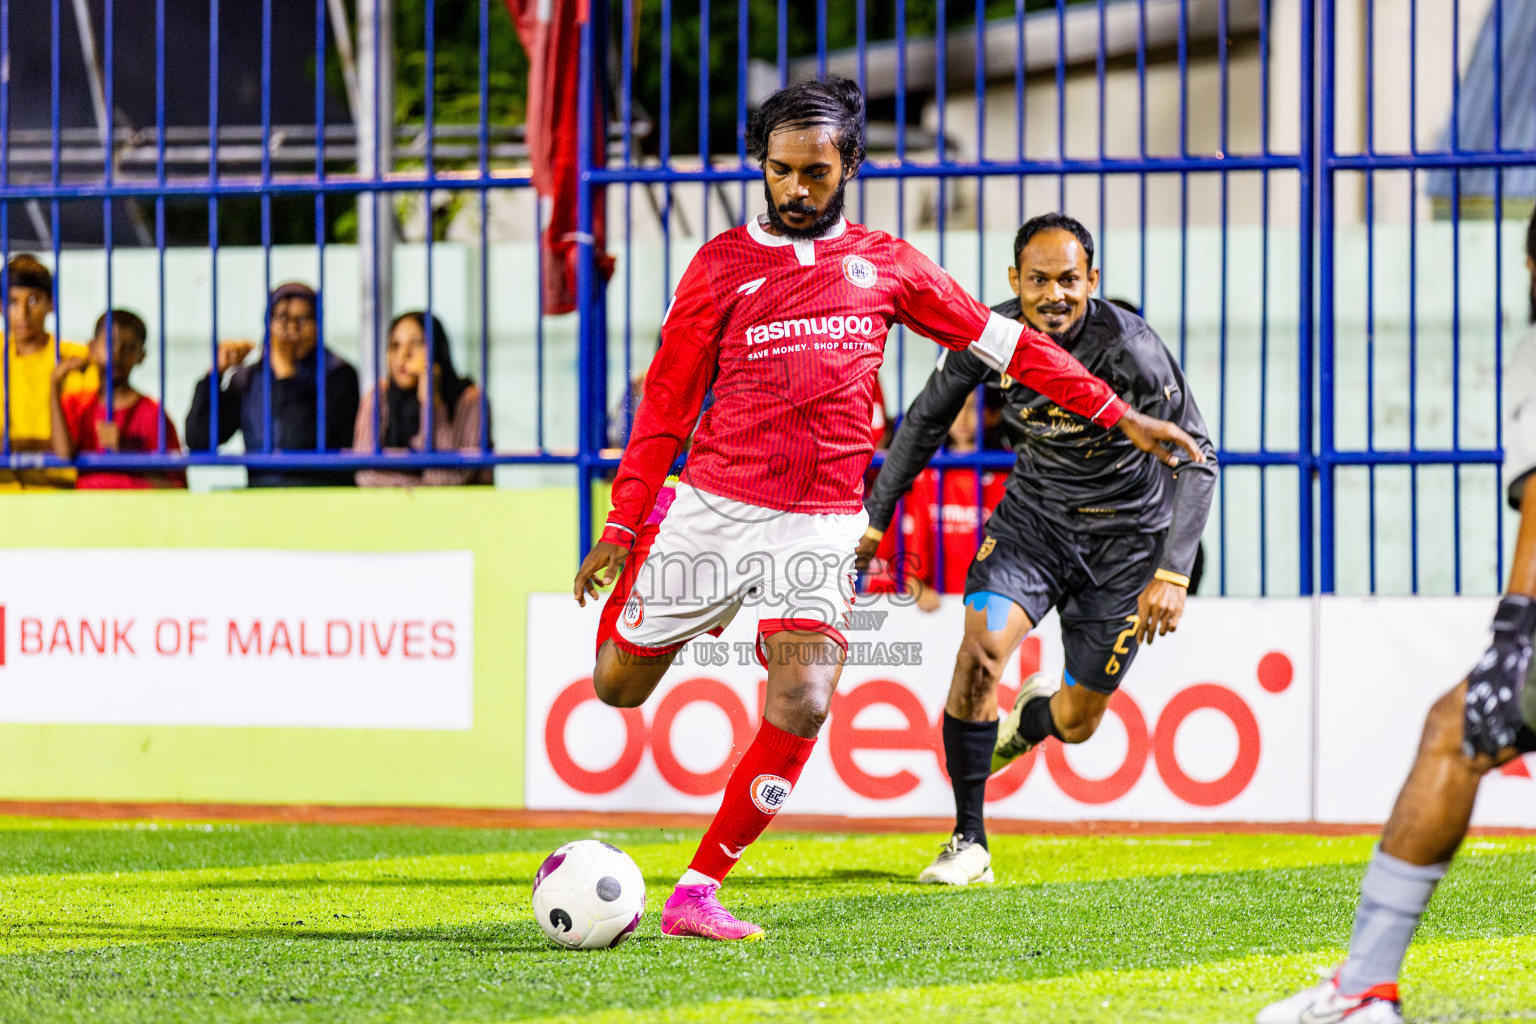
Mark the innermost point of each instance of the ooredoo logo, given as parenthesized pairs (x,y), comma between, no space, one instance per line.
(859,271)
(634,611)
(769,792)
(1151,742)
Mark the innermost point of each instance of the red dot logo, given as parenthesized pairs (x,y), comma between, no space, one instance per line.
(1276,672)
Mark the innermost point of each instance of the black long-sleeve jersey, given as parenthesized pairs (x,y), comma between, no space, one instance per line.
(1083,477)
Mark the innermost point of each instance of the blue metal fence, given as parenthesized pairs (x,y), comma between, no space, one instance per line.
(1160,40)
(1369,534)
(1424,466)
(336,170)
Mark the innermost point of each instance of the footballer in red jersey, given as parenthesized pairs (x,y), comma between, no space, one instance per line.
(786,319)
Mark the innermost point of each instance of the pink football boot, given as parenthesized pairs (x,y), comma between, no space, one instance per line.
(693,911)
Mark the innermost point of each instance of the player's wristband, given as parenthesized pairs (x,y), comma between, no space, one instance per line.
(1516,616)
(870,533)
(623,536)
(1168,576)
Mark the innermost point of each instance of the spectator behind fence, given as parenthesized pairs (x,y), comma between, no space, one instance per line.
(80,422)
(954,511)
(293,334)
(402,417)
(32,362)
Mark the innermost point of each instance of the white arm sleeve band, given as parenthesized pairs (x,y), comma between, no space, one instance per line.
(997,342)
(1107,403)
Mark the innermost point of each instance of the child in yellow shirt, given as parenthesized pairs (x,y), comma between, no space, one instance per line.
(28,380)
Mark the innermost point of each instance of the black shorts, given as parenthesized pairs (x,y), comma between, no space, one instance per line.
(1094,580)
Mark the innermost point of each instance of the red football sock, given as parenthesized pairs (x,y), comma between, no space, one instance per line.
(757,789)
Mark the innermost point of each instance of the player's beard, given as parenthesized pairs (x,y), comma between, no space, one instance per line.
(818,227)
(1066,335)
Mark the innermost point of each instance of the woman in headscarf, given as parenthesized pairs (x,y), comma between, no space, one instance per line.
(402,415)
(292,353)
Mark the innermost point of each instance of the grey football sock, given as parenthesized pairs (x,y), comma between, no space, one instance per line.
(1392,899)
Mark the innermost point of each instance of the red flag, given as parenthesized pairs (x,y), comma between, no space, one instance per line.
(550,31)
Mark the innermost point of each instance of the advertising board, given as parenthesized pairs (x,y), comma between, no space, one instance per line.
(1384,661)
(357,640)
(1203,730)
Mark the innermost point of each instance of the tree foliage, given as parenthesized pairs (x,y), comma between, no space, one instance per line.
(457,30)
(919,18)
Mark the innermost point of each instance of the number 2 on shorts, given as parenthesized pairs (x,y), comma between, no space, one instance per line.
(1121,645)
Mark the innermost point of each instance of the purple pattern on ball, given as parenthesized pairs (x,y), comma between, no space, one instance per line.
(627,929)
(550,865)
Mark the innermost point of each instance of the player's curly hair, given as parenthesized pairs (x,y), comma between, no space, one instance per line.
(834,102)
(1048,222)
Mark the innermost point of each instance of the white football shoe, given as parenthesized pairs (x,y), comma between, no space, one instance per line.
(1010,745)
(1323,1003)
(961,862)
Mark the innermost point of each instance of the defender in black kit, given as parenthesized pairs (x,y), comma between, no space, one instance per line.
(1089,525)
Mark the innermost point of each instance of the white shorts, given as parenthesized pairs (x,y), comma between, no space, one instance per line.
(713,555)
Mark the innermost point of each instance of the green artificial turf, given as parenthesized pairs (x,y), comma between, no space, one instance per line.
(219,922)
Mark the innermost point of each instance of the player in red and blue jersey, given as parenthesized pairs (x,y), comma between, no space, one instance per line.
(786,318)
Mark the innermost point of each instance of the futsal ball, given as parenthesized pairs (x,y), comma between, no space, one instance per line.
(588,895)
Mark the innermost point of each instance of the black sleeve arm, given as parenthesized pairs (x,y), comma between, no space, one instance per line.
(922,430)
(1194,483)
(229,412)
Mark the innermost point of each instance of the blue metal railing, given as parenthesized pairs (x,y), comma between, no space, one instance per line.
(1431,347)
(1464,543)
(324,179)
(1237,237)
(1028,160)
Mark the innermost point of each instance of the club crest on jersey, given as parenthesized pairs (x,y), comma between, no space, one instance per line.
(634,611)
(859,271)
(769,792)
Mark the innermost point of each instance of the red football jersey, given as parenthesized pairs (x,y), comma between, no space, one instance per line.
(961,534)
(791,333)
(138,429)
